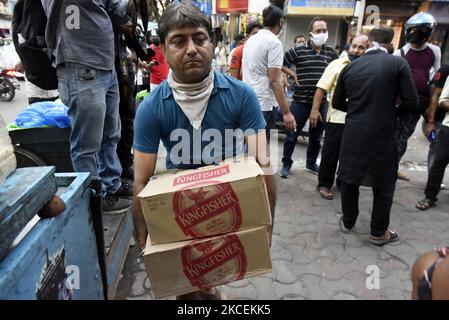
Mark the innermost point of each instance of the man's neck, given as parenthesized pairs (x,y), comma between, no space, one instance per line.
(190,82)
(272,30)
(417,46)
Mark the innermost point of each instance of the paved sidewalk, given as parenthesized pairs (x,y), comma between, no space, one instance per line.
(312,259)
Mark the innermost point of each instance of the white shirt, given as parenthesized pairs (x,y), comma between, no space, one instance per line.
(34,91)
(220,55)
(261,52)
(445,97)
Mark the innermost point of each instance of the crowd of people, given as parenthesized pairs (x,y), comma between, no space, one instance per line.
(366,101)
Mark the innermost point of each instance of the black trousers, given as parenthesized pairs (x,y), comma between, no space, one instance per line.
(440,163)
(330,154)
(380,217)
(34,100)
(127,114)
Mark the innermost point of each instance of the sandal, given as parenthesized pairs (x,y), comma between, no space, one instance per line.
(203,295)
(402,176)
(394,236)
(218,295)
(425,204)
(325,193)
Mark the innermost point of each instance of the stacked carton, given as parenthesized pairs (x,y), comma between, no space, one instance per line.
(207,227)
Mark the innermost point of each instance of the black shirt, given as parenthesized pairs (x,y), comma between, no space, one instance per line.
(310,67)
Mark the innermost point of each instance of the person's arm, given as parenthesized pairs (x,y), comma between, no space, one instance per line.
(433,108)
(315,115)
(144,168)
(291,74)
(276,83)
(339,99)
(444,98)
(258,148)
(146,146)
(322,88)
(407,88)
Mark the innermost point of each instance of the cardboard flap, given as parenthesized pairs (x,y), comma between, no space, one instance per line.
(211,175)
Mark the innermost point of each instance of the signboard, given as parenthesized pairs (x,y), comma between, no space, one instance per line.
(322,7)
(232,6)
(204,5)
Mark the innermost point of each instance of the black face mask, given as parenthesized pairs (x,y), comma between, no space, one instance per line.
(352,57)
(419,36)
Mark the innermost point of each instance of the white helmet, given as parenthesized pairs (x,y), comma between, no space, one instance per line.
(419,27)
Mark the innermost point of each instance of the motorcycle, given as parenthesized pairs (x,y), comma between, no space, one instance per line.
(8,85)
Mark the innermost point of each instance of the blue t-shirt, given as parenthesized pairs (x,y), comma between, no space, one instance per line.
(233,112)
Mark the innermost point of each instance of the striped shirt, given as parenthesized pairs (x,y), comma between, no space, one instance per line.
(310,67)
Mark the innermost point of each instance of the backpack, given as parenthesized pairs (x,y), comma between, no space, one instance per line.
(28,27)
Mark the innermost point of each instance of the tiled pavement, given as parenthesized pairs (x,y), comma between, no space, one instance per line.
(312,259)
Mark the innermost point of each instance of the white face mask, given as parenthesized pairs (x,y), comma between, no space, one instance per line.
(320,38)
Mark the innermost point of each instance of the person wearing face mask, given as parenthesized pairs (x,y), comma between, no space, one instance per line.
(310,60)
(367,90)
(423,58)
(335,118)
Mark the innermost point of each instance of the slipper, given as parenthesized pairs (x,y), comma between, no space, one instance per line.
(394,236)
(203,295)
(206,295)
(325,193)
(425,204)
(402,177)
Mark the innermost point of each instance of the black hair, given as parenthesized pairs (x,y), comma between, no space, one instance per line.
(239,38)
(182,14)
(299,36)
(312,23)
(272,15)
(383,35)
(253,25)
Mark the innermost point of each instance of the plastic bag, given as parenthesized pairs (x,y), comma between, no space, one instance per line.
(42,114)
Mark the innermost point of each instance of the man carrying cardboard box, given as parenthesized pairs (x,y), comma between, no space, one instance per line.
(193,112)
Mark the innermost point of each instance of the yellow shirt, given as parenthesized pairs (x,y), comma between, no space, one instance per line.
(445,97)
(328,82)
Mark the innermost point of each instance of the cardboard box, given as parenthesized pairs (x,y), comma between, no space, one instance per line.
(210,201)
(189,266)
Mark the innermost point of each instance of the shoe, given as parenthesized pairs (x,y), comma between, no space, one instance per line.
(125,191)
(285,171)
(381,242)
(315,169)
(343,228)
(112,204)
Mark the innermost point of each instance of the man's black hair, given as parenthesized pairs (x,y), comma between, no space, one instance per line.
(299,36)
(383,35)
(253,25)
(315,20)
(272,15)
(239,38)
(182,14)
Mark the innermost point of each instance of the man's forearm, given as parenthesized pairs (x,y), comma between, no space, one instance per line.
(139,220)
(318,99)
(280,96)
(433,107)
(288,72)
